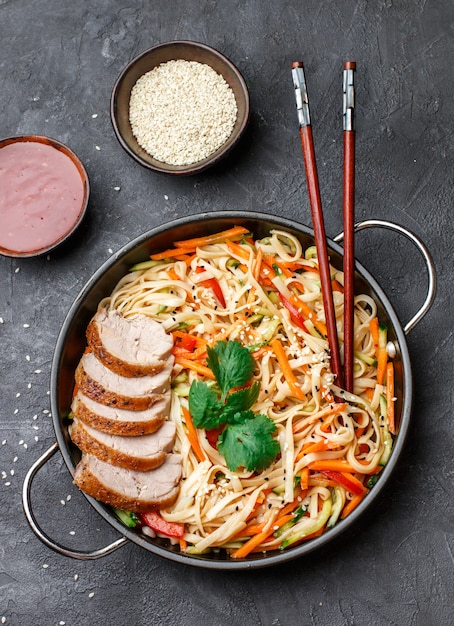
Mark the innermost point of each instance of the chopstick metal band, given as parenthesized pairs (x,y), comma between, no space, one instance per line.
(349,96)
(302,103)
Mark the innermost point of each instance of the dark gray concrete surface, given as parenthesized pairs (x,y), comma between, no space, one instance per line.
(58,63)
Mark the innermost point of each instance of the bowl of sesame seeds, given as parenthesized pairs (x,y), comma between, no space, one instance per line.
(179,107)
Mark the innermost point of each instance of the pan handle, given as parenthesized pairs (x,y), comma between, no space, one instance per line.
(432,286)
(26,501)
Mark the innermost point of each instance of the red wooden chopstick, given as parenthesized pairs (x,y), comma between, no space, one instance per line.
(349,220)
(307,144)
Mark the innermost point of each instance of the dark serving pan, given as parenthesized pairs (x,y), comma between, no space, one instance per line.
(71,343)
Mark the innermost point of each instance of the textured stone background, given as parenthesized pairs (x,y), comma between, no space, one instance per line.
(58,63)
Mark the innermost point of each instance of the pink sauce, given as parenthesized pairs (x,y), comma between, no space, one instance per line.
(41,196)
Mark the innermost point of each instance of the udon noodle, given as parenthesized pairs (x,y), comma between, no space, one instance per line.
(332,443)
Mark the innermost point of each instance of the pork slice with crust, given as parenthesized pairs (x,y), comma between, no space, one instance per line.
(140,453)
(128,489)
(129,346)
(101,384)
(124,422)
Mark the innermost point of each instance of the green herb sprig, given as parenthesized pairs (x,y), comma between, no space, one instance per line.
(247,438)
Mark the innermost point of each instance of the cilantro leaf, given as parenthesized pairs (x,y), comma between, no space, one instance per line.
(249,442)
(204,406)
(231,364)
(239,401)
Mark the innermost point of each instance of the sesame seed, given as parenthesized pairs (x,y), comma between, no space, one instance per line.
(18,394)
(97,148)
(1,320)
(45,566)
(3,442)
(26,325)
(21,442)
(16,411)
(38,371)
(90,595)
(117,188)
(76,576)
(72,532)
(15,459)
(17,270)
(27,357)
(68,498)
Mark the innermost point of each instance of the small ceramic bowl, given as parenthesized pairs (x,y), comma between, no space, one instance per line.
(152,58)
(44,196)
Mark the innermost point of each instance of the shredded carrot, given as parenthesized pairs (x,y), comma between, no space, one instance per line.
(304,482)
(198,242)
(257,354)
(271,261)
(335,465)
(183,544)
(200,341)
(373,325)
(390,398)
(195,366)
(237,250)
(286,369)
(256,540)
(352,504)
(381,365)
(318,446)
(172,274)
(192,435)
(258,264)
(172,253)
(336,286)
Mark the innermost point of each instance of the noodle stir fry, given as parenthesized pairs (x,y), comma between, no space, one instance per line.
(264,295)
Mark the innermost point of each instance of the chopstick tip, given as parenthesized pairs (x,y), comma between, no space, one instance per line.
(297,64)
(349,65)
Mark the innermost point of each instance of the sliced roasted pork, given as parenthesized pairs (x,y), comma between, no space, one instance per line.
(115,421)
(127,489)
(140,453)
(129,346)
(101,384)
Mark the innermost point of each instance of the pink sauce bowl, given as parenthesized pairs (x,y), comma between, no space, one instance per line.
(44,192)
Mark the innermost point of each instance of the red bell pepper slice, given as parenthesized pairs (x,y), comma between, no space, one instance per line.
(160,525)
(295,315)
(343,480)
(213,284)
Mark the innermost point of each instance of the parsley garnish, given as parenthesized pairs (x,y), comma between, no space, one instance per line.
(247,438)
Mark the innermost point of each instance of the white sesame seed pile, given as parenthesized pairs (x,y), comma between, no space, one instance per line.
(182,111)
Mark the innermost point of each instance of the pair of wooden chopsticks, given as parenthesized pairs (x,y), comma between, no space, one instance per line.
(345,377)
